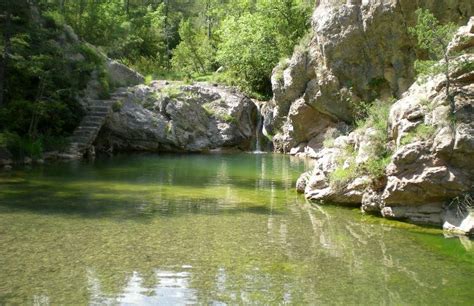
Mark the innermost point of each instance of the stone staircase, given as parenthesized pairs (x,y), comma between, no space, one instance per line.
(86,133)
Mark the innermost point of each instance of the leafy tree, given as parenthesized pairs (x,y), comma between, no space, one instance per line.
(434,38)
(194,53)
(249,50)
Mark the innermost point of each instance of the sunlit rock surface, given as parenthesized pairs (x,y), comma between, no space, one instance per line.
(176,117)
(424,174)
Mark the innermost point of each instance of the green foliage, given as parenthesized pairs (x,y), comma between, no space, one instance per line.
(194,53)
(22,147)
(422,132)
(148,79)
(346,169)
(228,118)
(253,42)
(433,38)
(117,106)
(248,51)
(328,142)
(171,92)
(368,115)
(341,176)
(209,111)
(280,69)
(187,39)
(431,35)
(304,42)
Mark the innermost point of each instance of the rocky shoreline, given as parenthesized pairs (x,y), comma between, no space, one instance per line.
(427,152)
(411,164)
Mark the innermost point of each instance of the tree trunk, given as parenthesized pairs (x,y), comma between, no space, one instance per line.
(4,59)
(448,83)
(208,19)
(168,49)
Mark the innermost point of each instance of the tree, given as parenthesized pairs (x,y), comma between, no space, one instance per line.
(194,53)
(249,50)
(434,38)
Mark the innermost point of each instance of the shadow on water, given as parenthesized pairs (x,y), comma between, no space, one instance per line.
(190,232)
(145,186)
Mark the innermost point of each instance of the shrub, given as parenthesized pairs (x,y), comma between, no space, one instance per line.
(22,147)
(171,92)
(462,203)
(328,142)
(117,106)
(422,132)
(280,69)
(341,176)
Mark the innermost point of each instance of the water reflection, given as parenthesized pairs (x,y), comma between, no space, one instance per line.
(209,230)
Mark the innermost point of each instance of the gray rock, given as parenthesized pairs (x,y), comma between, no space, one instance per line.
(121,75)
(359,50)
(432,160)
(176,117)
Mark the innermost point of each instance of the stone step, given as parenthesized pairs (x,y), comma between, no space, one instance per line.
(89,128)
(98,113)
(104,109)
(88,133)
(93,118)
(86,128)
(93,122)
(80,138)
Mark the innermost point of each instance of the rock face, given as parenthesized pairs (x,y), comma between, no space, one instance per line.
(179,118)
(360,50)
(432,153)
(120,75)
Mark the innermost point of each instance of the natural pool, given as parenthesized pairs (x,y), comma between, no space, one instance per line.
(209,229)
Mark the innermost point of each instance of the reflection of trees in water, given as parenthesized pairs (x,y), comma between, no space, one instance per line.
(226,236)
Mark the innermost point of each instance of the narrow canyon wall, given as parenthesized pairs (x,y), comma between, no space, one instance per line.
(361,51)
(357,52)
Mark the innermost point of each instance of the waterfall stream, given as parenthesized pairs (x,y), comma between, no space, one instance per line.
(258,130)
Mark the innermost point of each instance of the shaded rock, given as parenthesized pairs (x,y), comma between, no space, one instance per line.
(432,155)
(5,157)
(121,75)
(175,117)
(359,50)
(422,214)
(372,201)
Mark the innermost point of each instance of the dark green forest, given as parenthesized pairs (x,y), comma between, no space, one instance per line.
(49,50)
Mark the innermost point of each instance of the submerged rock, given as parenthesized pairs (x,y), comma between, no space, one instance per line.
(176,117)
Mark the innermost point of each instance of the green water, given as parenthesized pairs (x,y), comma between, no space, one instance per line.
(210,229)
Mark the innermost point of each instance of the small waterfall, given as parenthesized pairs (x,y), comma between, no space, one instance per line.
(258,130)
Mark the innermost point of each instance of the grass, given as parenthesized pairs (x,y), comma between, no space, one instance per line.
(209,111)
(329,142)
(280,69)
(422,132)
(374,116)
(228,118)
(305,41)
(171,92)
(117,106)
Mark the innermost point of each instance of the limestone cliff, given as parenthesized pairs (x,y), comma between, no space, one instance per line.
(360,51)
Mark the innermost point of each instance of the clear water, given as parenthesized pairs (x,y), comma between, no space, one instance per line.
(216,229)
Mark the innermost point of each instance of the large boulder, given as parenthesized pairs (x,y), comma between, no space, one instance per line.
(177,117)
(121,75)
